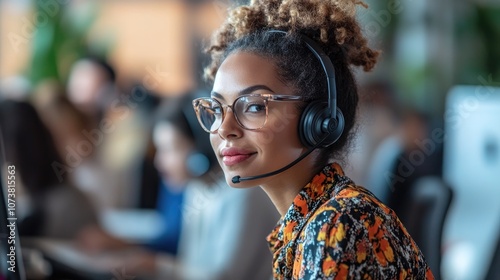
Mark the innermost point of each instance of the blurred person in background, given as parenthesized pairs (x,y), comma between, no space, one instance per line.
(91,86)
(62,118)
(220,231)
(419,156)
(47,205)
(378,140)
(77,143)
(116,129)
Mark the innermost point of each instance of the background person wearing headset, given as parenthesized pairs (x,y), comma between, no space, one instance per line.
(279,114)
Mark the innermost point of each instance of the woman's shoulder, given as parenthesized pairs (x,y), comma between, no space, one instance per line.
(353,201)
(353,211)
(355,229)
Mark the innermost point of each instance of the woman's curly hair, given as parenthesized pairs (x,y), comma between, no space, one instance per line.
(331,23)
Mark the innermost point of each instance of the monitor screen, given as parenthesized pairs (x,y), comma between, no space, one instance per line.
(471,166)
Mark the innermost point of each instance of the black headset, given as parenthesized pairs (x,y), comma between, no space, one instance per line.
(321,123)
(201,159)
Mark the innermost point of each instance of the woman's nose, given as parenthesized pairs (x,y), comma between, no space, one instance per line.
(229,127)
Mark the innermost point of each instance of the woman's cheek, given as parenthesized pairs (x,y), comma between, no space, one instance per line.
(215,141)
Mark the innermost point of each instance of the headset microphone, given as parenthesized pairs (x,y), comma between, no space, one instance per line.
(237,179)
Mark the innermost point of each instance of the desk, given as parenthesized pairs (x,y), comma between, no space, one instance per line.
(133,225)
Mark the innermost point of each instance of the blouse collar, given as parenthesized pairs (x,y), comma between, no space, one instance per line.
(316,192)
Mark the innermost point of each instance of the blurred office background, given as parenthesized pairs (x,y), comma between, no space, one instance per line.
(428,113)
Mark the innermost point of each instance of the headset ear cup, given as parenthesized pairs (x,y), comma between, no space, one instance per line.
(337,130)
(316,123)
(310,124)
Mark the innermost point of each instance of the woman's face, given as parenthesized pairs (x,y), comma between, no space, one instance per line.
(172,150)
(244,152)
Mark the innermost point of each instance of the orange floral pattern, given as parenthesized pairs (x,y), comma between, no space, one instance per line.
(337,230)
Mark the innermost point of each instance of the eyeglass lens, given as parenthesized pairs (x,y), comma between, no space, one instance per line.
(250,112)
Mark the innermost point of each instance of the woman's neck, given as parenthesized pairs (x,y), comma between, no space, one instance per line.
(284,187)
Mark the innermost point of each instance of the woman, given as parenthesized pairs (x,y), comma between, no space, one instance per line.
(272,105)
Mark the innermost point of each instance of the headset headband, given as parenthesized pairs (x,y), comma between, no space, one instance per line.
(328,68)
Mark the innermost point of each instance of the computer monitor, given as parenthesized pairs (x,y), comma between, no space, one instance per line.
(472,168)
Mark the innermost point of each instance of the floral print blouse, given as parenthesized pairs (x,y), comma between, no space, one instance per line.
(337,230)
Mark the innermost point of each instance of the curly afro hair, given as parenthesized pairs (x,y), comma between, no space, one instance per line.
(331,23)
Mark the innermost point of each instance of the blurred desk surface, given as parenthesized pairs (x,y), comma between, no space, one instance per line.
(133,225)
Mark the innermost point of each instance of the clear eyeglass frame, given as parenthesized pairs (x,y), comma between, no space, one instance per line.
(197,103)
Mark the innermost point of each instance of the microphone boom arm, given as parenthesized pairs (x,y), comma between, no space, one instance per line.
(237,179)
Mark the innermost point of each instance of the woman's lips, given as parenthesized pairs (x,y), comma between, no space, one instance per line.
(232,160)
(232,156)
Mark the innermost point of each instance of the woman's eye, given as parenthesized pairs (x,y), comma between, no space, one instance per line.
(255,108)
(217,110)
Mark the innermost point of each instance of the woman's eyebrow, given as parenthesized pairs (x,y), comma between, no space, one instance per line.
(217,95)
(254,88)
(248,90)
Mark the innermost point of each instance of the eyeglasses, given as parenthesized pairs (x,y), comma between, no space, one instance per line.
(250,110)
